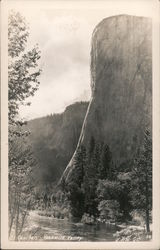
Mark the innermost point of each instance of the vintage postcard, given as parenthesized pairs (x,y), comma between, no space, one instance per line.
(80,141)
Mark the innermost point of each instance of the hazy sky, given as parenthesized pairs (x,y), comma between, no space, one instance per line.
(64,37)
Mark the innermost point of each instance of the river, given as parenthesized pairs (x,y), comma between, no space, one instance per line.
(44,228)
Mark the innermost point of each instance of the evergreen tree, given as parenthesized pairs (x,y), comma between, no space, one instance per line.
(75,189)
(91,148)
(91,179)
(142,179)
(79,165)
(97,156)
(105,163)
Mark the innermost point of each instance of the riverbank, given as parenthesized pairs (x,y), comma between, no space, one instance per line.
(48,228)
(44,228)
(124,231)
(133,233)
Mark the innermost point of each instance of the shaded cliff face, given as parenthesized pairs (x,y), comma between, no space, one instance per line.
(121,82)
(54,139)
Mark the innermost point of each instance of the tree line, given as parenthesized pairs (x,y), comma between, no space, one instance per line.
(99,188)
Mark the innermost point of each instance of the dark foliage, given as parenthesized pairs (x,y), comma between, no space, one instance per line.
(99,188)
(142,178)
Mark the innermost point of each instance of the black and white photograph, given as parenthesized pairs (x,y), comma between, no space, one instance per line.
(81,142)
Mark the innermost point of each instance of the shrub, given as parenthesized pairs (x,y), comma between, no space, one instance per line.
(132,234)
(109,210)
(87,219)
(138,217)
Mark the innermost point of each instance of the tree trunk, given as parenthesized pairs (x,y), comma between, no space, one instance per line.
(23,219)
(147,205)
(11,224)
(12,212)
(147,221)
(17,220)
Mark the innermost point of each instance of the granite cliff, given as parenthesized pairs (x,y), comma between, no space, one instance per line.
(121,80)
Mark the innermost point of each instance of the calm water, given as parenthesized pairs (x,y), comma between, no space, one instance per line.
(50,229)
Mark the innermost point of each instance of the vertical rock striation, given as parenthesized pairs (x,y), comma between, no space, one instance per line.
(121,80)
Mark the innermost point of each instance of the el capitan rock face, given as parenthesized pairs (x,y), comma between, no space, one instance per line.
(121,80)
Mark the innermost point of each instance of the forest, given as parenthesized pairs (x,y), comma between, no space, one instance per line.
(99,189)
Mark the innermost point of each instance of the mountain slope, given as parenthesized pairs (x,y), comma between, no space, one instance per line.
(121,80)
(54,139)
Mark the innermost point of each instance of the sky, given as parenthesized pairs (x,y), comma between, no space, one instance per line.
(63,32)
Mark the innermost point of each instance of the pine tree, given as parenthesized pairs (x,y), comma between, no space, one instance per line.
(91,179)
(142,179)
(105,163)
(79,165)
(91,148)
(75,188)
(97,156)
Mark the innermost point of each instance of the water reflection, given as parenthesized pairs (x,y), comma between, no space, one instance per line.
(52,229)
